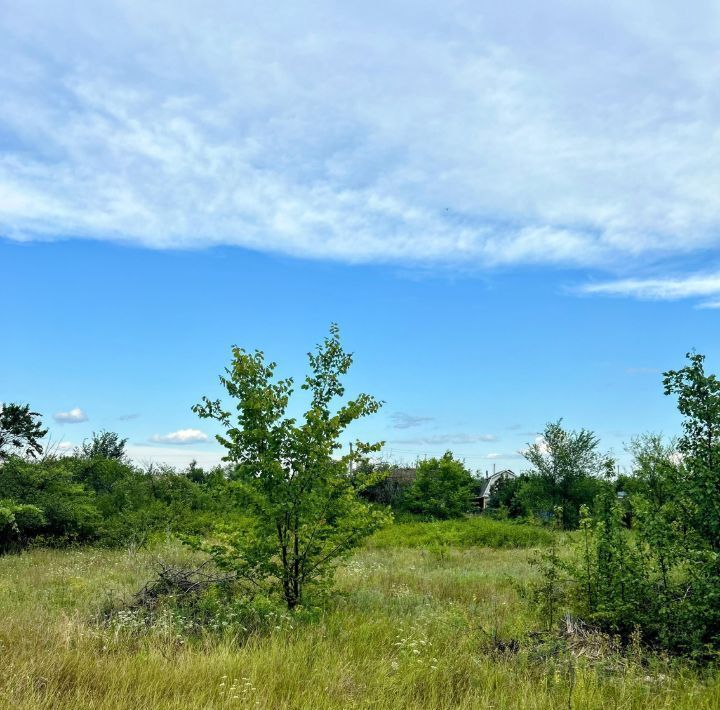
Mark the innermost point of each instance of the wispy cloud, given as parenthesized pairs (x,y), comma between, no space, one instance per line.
(128,417)
(180,437)
(448,439)
(402,420)
(73,416)
(673,288)
(403,132)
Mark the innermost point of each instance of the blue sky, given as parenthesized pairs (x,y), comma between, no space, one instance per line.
(512,214)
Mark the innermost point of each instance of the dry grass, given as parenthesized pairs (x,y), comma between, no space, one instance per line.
(411,629)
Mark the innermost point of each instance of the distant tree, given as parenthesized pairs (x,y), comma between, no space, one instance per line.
(567,471)
(104,445)
(442,488)
(20,431)
(302,498)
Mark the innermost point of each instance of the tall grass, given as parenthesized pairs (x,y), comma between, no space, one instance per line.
(469,532)
(407,629)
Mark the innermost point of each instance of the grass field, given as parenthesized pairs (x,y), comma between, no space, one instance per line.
(410,628)
(479,531)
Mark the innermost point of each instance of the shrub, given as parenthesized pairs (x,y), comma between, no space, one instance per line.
(18,522)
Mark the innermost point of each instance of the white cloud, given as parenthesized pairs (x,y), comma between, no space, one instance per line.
(472,133)
(182,437)
(179,457)
(74,416)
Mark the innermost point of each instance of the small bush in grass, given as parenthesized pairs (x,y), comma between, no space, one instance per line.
(184,603)
(467,532)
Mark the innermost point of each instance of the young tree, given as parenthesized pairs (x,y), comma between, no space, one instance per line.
(566,472)
(303,500)
(698,397)
(442,488)
(20,431)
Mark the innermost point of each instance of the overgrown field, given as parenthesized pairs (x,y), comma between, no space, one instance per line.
(479,531)
(410,628)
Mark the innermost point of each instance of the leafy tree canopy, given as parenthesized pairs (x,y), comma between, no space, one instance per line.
(104,445)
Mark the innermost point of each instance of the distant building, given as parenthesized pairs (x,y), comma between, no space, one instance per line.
(486,485)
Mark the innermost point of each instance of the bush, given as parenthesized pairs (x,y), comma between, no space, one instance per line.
(18,522)
(567,473)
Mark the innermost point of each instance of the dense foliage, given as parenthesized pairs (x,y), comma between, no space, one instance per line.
(442,489)
(61,500)
(662,578)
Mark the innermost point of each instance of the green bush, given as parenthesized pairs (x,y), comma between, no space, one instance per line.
(18,522)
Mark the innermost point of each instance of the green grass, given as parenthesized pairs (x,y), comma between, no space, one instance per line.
(468,532)
(409,628)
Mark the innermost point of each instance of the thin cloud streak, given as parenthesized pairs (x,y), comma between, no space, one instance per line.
(447,439)
(403,420)
(662,289)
